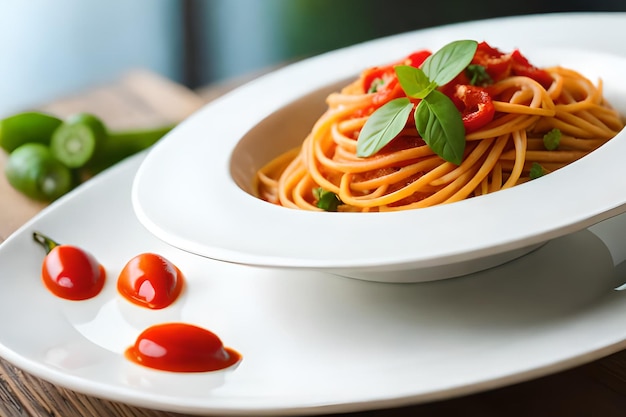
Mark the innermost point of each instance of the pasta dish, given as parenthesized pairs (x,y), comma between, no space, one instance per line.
(438,128)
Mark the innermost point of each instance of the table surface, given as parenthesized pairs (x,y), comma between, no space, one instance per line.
(143,99)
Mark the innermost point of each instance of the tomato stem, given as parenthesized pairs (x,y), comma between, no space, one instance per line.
(47,243)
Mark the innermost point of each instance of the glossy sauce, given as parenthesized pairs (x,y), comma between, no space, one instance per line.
(72,273)
(151,281)
(180,347)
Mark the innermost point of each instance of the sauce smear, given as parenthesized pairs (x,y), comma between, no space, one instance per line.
(181,347)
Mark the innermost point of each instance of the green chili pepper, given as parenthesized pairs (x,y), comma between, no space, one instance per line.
(28,127)
(122,144)
(83,141)
(32,170)
(78,147)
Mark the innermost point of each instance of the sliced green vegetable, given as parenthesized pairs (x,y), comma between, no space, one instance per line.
(32,170)
(78,139)
(536,171)
(120,145)
(66,151)
(83,141)
(28,127)
(552,139)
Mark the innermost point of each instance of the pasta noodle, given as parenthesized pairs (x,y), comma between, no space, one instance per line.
(408,174)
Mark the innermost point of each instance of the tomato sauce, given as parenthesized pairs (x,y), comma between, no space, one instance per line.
(181,347)
(148,280)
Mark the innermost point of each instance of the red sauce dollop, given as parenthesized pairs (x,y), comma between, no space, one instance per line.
(72,273)
(180,347)
(151,281)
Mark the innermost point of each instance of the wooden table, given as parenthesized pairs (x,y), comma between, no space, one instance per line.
(143,99)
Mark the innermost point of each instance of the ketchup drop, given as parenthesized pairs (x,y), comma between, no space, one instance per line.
(181,347)
(70,272)
(151,281)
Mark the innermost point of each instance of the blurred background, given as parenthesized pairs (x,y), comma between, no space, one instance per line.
(52,49)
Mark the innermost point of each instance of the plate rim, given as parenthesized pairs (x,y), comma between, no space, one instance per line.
(142,398)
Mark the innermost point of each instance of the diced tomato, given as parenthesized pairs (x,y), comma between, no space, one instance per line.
(500,65)
(450,88)
(387,73)
(496,63)
(384,82)
(392,90)
(417,58)
(521,66)
(475,105)
(376,74)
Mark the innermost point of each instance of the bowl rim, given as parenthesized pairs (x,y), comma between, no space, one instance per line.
(230,225)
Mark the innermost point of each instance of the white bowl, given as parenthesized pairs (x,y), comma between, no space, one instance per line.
(193,189)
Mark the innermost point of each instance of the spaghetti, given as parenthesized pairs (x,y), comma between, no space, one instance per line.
(506,114)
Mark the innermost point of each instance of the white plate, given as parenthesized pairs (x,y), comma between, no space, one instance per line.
(311,342)
(314,342)
(191,189)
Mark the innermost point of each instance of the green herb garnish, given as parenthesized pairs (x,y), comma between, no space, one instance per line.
(375,84)
(536,171)
(326,200)
(437,119)
(478,75)
(552,139)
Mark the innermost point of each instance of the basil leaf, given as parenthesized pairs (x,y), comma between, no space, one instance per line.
(449,61)
(382,126)
(414,82)
(439,123)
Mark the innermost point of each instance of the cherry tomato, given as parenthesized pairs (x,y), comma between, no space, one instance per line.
(475,105)
(151,281)
(180,347)
(70,272)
